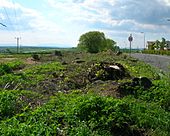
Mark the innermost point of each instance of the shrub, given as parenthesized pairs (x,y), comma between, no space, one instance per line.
(35,56)
(14,102)
(4,68)
(57,53)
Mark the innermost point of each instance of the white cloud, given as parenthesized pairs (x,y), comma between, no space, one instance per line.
(87,10)
(6,4)
(111,13)
(167,2)
(63,21)
(31,23)
(2,17)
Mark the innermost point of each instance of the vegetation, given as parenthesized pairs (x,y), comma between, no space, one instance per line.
(95,41)
(158,48)
(55,96)
(26,49)
(158,52)
(9,67)
(158,45)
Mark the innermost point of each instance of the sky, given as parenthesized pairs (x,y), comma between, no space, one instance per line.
(62,22)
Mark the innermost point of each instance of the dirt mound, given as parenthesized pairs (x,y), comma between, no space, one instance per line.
(130,88)
(107,71)
(142,82)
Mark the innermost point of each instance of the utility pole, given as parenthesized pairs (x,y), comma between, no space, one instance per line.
(18,44)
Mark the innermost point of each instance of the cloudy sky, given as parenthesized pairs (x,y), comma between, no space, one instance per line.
(62,22)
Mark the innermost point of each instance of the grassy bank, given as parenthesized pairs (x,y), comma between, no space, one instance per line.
(54,96)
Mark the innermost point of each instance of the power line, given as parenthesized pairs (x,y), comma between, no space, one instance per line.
(9,20)
(14,27)
(3,25)
(17,28)
(7,24)
(16,19)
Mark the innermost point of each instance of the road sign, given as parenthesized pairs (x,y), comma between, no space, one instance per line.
(130,38)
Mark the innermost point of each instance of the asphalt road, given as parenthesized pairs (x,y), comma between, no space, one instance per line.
(159,61)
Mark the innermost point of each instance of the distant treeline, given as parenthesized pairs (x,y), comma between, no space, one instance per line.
(28,50)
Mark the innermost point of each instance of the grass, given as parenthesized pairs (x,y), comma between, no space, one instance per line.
(55,97)
(68,114)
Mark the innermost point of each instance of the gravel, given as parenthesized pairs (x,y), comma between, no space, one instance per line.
(159,61)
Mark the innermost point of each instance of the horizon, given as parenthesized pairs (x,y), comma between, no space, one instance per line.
(36,45)
(53,46)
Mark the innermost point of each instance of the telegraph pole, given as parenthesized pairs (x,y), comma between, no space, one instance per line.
(18,44)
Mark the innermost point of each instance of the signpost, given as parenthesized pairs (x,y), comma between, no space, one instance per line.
(130,38)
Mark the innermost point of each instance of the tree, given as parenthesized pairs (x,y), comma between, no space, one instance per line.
(92,42)
(162,44)
(151,46)
(110,44)
(157,44)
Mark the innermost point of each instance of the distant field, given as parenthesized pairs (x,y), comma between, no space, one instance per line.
(26,49)
(31,49)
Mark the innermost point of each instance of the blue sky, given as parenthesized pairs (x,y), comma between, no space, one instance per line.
(63,21)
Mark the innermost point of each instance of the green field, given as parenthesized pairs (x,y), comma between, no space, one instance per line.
(72,93)
(29,49)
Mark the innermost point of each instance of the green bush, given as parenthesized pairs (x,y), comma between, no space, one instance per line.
(9,67)
(14,102)
(35,56)
(4,68)
(83,114)
(16,65)
(158,52)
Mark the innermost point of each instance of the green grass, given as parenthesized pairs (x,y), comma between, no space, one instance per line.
(69,114)
(15,102)
(29,77)
(9,67)
(58,99)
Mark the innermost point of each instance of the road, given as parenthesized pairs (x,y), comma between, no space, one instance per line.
(162,62)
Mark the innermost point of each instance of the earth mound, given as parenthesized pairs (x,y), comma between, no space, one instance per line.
(107,71)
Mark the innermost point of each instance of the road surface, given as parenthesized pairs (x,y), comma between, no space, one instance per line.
(159,61)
